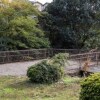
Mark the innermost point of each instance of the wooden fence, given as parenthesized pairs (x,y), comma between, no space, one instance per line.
(34,54)
(81,58)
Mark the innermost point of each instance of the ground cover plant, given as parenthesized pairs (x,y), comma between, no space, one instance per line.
(19,88)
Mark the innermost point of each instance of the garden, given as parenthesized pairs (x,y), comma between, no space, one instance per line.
(52,54)
(47,80)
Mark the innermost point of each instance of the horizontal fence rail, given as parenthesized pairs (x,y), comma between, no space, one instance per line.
(34,54)
(82,58)
(37,54)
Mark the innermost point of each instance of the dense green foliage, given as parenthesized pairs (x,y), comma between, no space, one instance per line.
(69,23)
(19,27)
(94,40)
(60,59)
(44,73)
(48,71)
(91,88)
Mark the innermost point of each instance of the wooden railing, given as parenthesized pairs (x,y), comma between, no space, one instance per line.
(36,54)
(33,54)
(81,58)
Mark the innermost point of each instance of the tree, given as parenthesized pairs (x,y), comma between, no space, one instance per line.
(94,40)
(19,27)
(68,22)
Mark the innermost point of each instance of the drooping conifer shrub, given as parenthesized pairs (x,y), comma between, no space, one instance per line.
(48,71)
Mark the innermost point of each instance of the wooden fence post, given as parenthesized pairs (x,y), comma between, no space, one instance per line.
(97,58)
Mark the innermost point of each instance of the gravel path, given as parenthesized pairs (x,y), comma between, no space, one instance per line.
(16,69)
(20,68)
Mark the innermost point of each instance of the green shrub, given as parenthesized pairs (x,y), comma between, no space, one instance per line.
(48,71)
(44,73)
(91,88)
(60,59)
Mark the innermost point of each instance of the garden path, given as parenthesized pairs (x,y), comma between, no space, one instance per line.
(20,68)
(16,69)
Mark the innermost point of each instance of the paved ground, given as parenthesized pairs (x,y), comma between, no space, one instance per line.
(20,68)
(16,69)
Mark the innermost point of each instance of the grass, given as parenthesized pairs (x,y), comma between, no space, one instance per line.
(19,88)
